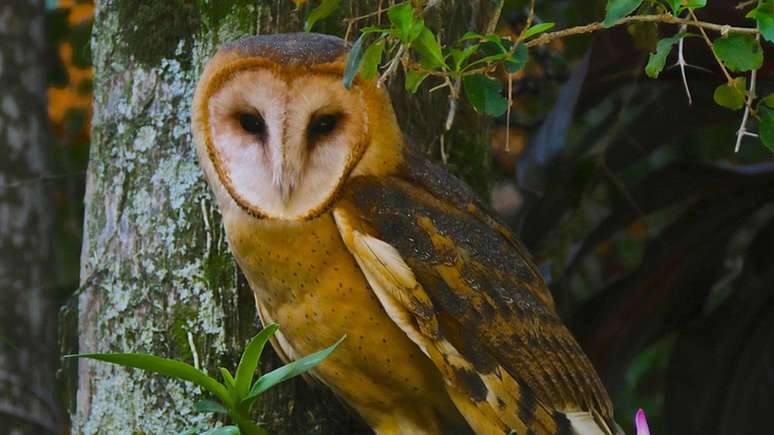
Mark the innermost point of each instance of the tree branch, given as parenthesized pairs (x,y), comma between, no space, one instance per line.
(546,38)
(682,64)
(747,108)
(709,45)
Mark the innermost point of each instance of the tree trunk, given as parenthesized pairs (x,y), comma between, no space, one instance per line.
(156,274)
(28,349)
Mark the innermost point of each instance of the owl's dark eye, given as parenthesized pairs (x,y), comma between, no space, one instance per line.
(322,125)
(252,124)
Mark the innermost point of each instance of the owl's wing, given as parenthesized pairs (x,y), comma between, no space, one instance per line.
(466,294)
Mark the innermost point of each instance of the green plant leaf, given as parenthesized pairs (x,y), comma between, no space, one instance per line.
(375,29)
(617,9)
(326,8)
(353,61)
(223,430)
(371,60)
(768,100)
(764,16)
(460,56)
(493,49)
(165,366)
(228,380)
(288,371)
(429,50)
(731,95)
(416,31)
(502,44)
(402,18)
(249,361)
(766,126)
(677,5)
(471,35)
(485,94)
(413,80)
(517,61)
(207,405)
(657,60)
(538,28)
(739,52)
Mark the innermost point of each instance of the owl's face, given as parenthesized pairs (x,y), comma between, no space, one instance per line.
(278,127)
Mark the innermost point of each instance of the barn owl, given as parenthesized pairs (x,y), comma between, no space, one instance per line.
(340,228)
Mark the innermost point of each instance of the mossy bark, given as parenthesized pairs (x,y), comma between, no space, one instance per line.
(156,274)
(28,402)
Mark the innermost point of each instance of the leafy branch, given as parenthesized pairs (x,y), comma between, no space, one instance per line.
(665,18)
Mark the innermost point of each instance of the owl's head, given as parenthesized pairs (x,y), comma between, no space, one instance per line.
(278,133)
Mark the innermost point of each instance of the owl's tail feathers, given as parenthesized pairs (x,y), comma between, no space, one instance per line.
(587,423)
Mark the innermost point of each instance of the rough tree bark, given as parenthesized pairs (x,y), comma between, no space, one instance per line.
(156,275)
(28,349)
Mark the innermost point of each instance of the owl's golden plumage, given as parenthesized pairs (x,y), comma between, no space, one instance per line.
(341,229)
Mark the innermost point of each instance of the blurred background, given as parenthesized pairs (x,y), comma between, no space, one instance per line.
(655,237)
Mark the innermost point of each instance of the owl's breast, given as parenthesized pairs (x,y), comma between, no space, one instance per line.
(293,263)
(308,283)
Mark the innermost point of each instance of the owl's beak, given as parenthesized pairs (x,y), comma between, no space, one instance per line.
(287,180)
(286,189)
(287,170)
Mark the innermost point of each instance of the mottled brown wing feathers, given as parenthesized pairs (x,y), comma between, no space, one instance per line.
(421,172)
(480,308)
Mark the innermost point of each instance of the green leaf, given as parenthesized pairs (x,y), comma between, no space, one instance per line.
(494,49)
(617,9)
(228,380)
(288,371)
(498,40)
(485,94)
(326,8)
(766,126)
(374,29)
(764,15)
(413,80)
(657,60)
(677,5)
(696,4)
(223,430)
(402,18)
(538,28)
(207,405)
(517,61)
(371,60)
(471,35)
(249,361)
(739,52)
(731,95)
(430,55)
(353,61)
(460,56)
(769,100)
(165,366)
(416,31)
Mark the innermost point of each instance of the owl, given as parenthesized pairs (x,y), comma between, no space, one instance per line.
(342,229)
